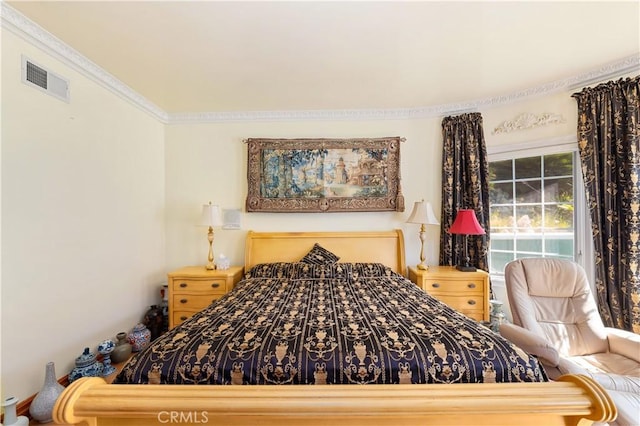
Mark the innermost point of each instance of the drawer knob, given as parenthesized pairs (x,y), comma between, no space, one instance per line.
(471,302)
(435,285)
(471,285)
(183,300)
(183,285)
(182,318)
(215,285)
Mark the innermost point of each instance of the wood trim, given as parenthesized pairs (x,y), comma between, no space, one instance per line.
(386,247)
(564,402)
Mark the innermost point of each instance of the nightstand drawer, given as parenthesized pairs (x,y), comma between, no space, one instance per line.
(194,302)
(465,303)
(210,286)
(478,316)
(178,317)
(453,286)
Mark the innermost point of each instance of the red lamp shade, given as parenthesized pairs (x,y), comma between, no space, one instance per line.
(466,223)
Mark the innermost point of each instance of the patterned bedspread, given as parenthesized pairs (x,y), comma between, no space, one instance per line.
(296,323)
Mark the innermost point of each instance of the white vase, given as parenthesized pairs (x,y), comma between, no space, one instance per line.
(41,408)
(497,315)
(10,417)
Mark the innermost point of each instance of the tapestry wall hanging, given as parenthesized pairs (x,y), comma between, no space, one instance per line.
(324,175)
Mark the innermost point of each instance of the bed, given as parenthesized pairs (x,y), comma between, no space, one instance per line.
(324,328)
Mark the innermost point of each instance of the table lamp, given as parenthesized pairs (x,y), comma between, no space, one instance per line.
(211,217)
(422,213)
(465,224)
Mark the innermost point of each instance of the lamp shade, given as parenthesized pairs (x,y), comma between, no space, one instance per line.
(466,223)
(211,215)
(423,213)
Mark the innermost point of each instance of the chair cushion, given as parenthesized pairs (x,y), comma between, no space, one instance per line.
(605,362)
(628,406)
(552,298)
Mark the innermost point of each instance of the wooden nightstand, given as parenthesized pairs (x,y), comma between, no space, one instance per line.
(193,288)
(467,292)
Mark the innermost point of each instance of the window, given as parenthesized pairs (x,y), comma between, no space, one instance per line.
(533,208)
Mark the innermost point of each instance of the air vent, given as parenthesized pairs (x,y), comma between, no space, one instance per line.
(36,76)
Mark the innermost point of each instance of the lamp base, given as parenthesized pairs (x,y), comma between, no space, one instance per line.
(211,266)
(463,268)
(422,267)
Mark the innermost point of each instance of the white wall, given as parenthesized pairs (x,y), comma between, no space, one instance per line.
(209,162)
(82,219)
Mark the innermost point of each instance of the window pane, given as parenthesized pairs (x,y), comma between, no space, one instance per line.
(556,190)
(558,165)
(528,192)
(500,244)
(529,244)
(501,219)
(501,170)
(559,218)
(560,246)
(499,261)
(525,255)
(529,218)
(528,167)
(501,193)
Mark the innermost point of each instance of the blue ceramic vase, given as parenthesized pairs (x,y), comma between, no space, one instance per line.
(105,348)
(87,365)
(140,337)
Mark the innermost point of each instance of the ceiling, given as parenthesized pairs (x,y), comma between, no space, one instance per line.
(212,56)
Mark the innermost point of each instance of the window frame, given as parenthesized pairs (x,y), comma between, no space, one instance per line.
(583,243)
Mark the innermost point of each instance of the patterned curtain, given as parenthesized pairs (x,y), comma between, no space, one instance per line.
(609,144)
(465,185)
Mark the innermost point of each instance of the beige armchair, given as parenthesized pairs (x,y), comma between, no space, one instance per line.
(555,317)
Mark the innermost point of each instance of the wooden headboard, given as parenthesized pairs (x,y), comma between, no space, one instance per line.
(386,247)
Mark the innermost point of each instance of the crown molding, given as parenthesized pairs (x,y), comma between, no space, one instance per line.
(36,35)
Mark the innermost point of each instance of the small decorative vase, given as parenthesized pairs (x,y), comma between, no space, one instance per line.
(122,351)
(105,348)
(496,315)
(164,305)
(41,407)
(86,366)
(140,337)
(153,319)
(10,415)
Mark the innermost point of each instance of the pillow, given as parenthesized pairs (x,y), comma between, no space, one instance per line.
(371,270)
(270,270)
(336,270)
(319,255)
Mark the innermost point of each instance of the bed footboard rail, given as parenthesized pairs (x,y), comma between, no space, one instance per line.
(571,400)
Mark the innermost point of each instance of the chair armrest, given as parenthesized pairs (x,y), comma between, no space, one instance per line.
(624,342)
(530,343)
(617,382)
